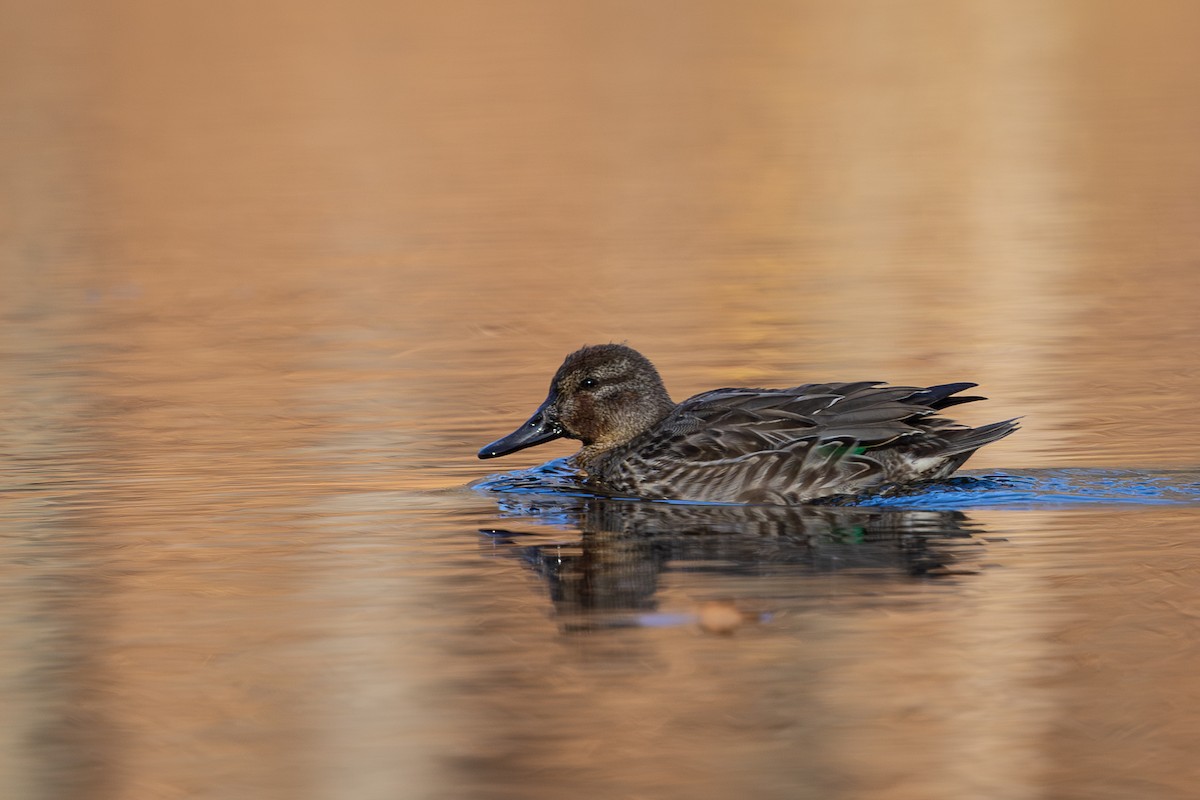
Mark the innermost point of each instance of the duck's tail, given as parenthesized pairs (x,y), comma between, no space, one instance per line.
(968,440)
(962,443)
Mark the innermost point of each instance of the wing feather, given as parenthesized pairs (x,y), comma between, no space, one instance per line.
(792,445)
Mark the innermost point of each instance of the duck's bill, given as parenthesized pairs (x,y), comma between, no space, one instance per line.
(539,428)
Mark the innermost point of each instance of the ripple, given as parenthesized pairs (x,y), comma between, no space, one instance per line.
(996,489)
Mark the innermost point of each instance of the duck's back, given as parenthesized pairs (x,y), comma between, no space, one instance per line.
(797,444)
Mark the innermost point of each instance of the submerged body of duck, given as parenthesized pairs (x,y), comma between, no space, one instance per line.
(745,445)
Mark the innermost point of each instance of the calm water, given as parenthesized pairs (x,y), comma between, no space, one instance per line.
(273,275)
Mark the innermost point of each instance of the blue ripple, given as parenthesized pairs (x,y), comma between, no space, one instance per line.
(999,489)
(1050,488)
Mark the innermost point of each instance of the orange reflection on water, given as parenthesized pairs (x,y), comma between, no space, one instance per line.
(276,273)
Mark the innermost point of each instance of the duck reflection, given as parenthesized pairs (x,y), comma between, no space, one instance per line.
(615,558)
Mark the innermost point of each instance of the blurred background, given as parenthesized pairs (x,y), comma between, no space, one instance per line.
(274,271)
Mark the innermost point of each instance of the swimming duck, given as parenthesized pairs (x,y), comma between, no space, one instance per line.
(778,446)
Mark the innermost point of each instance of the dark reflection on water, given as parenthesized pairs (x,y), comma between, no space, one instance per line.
(623,548)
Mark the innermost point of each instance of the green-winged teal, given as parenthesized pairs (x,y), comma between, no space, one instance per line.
(745,445)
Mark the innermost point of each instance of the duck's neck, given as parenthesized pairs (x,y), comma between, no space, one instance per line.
(638,419)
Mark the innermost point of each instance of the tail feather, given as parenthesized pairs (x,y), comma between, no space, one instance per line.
(969,440)
(939,397)
(954,401)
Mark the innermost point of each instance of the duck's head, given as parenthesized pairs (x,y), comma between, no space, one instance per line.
(602,395)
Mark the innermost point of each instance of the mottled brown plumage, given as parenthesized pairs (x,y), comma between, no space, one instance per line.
(779,446)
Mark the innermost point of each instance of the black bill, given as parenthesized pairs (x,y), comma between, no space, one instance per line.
(541,427)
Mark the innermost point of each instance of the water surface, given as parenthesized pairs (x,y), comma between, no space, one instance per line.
(274,274)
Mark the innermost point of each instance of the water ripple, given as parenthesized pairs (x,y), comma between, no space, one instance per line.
(997,489)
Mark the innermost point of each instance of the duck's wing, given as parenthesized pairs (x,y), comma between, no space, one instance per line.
(790,445)
(868,412)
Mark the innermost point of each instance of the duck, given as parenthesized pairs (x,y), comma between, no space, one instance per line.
(746,446)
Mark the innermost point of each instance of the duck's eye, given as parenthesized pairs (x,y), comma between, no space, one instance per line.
(589,383)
